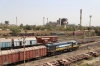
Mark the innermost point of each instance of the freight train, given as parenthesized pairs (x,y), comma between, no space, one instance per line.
(17,55)
(29,41)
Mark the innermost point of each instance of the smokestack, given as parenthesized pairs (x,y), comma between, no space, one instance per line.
(16,21)
(43,20)
(80,17)
(47,20)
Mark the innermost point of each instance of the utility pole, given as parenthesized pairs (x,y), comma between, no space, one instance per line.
(89,31)
(74,32)
(24,48)
(84,35)
(90,25)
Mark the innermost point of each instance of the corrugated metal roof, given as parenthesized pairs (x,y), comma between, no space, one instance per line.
(44,38)
(18,39)
(31,38)
(6,52)
(5,40)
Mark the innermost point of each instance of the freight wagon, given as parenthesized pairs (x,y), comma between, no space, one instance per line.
(5,43)
(17,42)
(17,55)
(46,39)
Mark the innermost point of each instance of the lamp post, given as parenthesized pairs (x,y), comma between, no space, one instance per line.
(74,32)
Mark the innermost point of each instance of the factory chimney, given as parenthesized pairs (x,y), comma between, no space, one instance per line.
(80,17)
(16,21)
(47,20)
(43,21)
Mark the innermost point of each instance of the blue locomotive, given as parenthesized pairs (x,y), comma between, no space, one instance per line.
(60,47)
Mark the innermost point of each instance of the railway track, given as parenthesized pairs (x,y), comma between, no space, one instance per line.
(83,49)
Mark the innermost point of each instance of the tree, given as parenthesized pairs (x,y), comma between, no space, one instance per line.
(48,27)
(28,27)
(15,30)
(40,28)
(21,26)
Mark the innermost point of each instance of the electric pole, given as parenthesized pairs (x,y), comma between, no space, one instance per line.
(24,48)
(89,31)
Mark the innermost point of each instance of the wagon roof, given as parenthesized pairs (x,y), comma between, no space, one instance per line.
(31,38)
(18,39)
(6,52)
(5,40)
(44,38)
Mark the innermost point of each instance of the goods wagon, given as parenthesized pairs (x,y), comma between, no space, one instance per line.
(16,55)
(8,57)
(31,41)
(5,43)
(79,33)
(17,42)
(46,39)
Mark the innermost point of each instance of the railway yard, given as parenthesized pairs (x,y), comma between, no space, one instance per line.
(50,33)
(38,54)
(85,47)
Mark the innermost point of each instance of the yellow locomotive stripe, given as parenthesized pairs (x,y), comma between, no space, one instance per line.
(60,48)
(63,48)
(75,46)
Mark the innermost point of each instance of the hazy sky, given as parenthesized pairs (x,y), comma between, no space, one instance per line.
(32,11)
